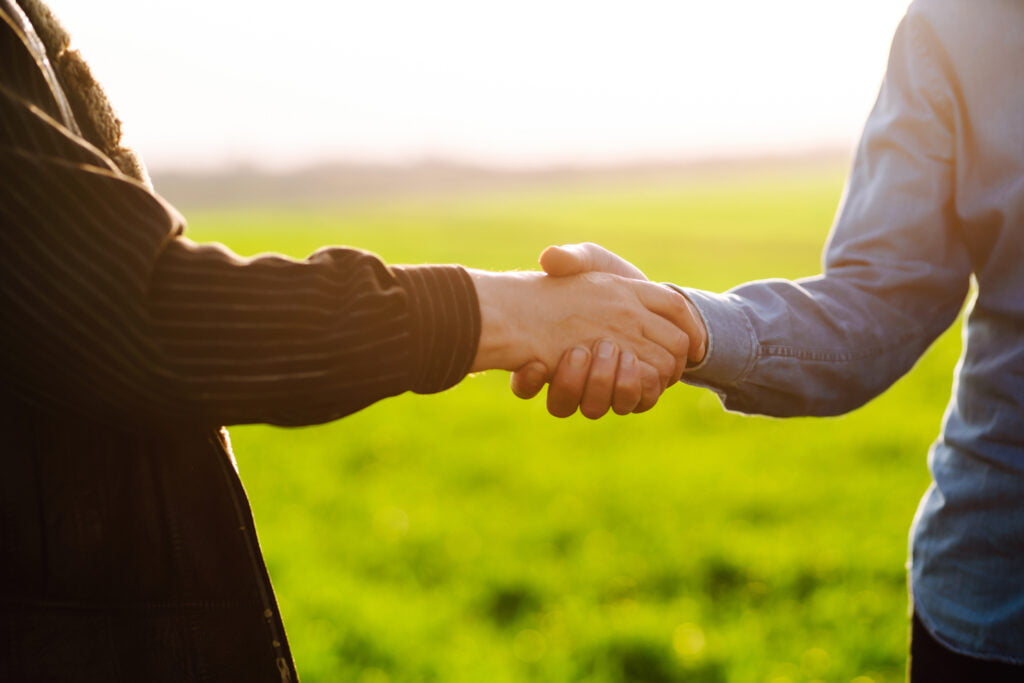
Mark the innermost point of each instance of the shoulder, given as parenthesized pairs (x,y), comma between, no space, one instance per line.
(964,26)
(977,45)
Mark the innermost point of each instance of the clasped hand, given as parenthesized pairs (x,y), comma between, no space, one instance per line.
(592,326)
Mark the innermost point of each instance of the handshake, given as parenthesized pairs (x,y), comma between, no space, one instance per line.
(591,326)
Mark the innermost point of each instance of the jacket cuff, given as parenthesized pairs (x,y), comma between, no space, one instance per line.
(445,324)
(731,346)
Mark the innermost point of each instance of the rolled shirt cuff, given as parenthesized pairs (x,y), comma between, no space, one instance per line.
(731,346)
(445,324)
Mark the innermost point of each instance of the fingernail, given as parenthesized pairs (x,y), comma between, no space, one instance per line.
(605,349)
(628,359)
(578,357)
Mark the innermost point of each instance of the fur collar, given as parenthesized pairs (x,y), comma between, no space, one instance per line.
(93,112)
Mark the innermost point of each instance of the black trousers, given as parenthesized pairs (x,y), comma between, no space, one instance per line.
(932,662)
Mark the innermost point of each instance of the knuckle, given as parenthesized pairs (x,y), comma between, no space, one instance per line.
(651,394)
(665,365)
(680,343)
(601,376)
(650,381)
(602,373)
(569,380)
(650,398)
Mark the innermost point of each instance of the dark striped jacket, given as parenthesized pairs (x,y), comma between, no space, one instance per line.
(127,549)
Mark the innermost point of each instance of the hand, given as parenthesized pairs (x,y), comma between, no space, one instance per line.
(572,259)
(588,386)
(528,316)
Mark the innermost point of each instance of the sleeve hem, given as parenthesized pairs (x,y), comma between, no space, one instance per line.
(445,324)
(731,345)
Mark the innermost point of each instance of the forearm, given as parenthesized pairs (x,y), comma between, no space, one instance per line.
(821,346)
(896,265)
(215,339)
(296,342)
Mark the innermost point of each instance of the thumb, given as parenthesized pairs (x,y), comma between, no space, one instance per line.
(572,259)
(566,260)
(528,380)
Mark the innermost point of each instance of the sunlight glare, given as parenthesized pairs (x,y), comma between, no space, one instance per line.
(516,83)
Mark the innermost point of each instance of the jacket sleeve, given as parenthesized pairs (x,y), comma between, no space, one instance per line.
(896,269)
(108,310)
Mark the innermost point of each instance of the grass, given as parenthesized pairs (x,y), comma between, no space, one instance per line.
(469,537)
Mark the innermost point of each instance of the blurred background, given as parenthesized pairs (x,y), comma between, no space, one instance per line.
(531,82)
(469,536)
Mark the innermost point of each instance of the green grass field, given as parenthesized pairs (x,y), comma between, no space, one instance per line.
(468,537)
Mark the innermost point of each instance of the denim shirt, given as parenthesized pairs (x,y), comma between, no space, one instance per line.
(935,197)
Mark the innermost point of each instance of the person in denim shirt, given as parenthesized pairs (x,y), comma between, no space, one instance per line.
(935,198)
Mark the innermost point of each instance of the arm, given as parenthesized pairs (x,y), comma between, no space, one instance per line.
(111,311)
(896,270)
(118,315)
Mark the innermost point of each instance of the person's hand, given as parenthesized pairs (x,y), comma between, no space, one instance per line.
(530,317)
(587,387)
(572,259)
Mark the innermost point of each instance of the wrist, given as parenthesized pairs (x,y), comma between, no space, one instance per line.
(503,344)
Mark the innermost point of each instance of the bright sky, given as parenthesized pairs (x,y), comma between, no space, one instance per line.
(514,82)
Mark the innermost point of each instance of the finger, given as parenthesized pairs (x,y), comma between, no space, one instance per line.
(673,340)
(562,261)
(650,381)
(597,396)
(572,259)
(628,384)
(570,379)
(664,364)
(670,305)
(527,381)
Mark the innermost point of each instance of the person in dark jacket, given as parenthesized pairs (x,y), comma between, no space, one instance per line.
(127,549)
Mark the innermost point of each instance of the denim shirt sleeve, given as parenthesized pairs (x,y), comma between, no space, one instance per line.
(895,269)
